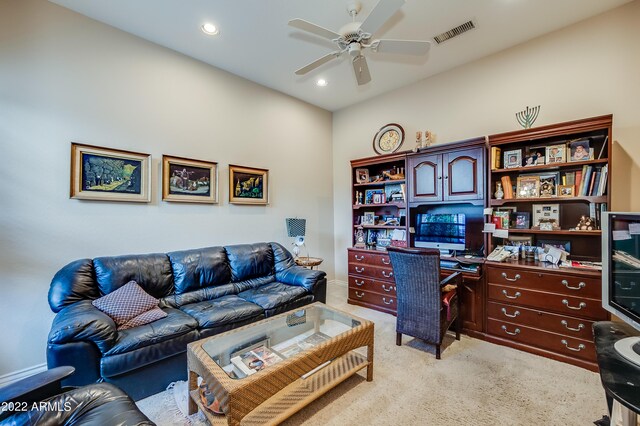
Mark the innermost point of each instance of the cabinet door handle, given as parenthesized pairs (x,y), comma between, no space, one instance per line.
(359,295)
(384,261)
(515,314)
(439,177)
(566,284)
(384,287)
(387,302)
(566,325)
(515,296)
(358,270)
(516,278)
(565,302)
(566,344)
(384,274)
(359,258)
(631,286)
(512,333)
(359,284)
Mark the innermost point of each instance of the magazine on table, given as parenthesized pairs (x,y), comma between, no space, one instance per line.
(255,359)
(294,346)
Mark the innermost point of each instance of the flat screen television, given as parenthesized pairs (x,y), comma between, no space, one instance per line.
(444,231)
(621,275)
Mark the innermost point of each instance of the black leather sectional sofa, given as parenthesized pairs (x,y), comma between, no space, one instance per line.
(204,292)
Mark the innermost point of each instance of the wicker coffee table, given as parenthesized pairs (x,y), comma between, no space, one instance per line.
(264,372)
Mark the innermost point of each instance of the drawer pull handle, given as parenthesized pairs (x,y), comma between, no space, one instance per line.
(566,284)
(566,325)
(515,314)
(515,296)
(358,270)
(359,284)
(565,302)
(384,287)
(385,262)
(630,287)
(384,274)
(359,295)
(566,344)
(387,302)
(512,333)
(516,278)
(359,258)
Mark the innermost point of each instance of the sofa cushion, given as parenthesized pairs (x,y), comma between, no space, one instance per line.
(272,295)
(200,268)
(73,283)
(224,310)
(250,261)
(208,293)
(151,271)
(126,303)
(147,317)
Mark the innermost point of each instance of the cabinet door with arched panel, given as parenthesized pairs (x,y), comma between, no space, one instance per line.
(463,175)
(425,178)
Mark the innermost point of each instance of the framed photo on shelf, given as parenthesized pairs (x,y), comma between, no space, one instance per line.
(556,154)
(369,218)
(369,196)
(546,214)
(189,181)
(580,150)
(513,159)
(537,154)
(362,175)
(503,219)
(548,184)
(107,174)
(248,185)
(522,220)
(520,240)
(566,191)
(528,187)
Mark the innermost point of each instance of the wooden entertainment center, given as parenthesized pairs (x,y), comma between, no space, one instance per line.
(527,304)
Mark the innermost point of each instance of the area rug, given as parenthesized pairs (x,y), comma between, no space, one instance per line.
(475,383)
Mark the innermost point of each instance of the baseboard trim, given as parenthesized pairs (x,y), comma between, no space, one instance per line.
(7,379)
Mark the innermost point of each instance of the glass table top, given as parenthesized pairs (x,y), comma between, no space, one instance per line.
(245,351)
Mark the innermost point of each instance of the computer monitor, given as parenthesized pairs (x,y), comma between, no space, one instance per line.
(621,275)
(444,231)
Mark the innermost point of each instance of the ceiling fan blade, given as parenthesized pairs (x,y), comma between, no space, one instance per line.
(315,64)
(307,26)
(380,14)
(404,47)
(361,69)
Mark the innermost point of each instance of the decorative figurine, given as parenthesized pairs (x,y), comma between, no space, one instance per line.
(428,139)
(360,240)
(528,116)
(418,141)
(499,192)
(586,224)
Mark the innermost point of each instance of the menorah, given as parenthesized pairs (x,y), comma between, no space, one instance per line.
(527,117)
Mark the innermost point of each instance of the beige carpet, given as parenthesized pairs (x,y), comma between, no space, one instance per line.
(475,383)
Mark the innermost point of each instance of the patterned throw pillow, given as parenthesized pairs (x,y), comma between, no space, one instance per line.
(125,303)
(144,318)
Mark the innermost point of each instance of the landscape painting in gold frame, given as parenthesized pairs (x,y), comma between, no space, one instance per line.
(107,174)
(248,185)
(189,181)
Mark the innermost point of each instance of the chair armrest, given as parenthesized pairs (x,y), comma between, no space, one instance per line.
(453,279)
(300,276)
(83,322)
(34,388)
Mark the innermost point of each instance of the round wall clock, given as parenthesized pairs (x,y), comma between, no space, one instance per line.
(388,139)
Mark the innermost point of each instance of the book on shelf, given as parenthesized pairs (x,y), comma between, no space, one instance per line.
(594,177)
(495,157)
(569,178)
(603,180)
(603,145)
(507,188)
(578,182)
(586,180)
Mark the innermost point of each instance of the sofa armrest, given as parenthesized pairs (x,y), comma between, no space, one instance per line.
(300,276)
(83,322)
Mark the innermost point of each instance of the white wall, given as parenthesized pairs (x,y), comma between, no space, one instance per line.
(585,70)
(63,78)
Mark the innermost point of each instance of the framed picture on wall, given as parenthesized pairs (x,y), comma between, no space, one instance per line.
(248,185)
(108,174)
(189,181)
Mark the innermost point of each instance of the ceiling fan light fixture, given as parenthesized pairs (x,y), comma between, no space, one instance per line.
(209,29)
(321,82)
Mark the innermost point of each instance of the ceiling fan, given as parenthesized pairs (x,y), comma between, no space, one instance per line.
(355,37)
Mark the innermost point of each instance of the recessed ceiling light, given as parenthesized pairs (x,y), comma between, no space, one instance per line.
(321,82)
(210,29)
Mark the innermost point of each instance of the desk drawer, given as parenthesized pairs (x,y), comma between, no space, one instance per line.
(569,305)
(565,345)
(543,281)
(385,301)
(569,326)
(369,258)
(385,274)
(369,284)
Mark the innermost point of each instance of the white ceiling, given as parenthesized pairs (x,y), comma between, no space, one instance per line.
(256,43)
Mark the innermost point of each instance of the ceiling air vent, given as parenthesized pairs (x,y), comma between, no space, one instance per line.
(454,32)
